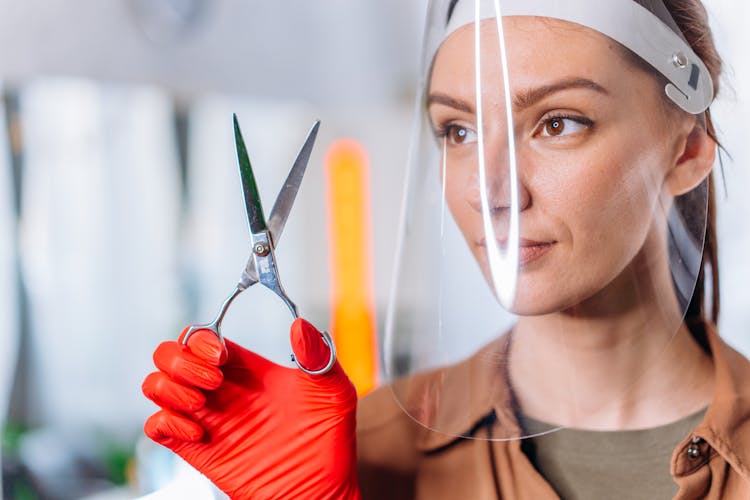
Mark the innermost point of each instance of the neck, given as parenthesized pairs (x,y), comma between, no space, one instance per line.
(632,366)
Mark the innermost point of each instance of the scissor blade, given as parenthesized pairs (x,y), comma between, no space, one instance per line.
(249,275)
(249,187)
(285,200)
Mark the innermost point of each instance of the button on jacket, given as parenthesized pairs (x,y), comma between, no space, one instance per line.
(401,459)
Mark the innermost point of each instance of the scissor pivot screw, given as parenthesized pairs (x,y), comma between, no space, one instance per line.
(261,249)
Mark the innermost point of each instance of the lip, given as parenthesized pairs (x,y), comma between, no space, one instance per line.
(528,250)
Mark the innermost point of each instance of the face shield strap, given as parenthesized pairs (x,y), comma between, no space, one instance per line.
(633,25)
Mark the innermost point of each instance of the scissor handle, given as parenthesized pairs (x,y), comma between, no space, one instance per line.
(215,328)
(211,327)
(215,325)
(331,359)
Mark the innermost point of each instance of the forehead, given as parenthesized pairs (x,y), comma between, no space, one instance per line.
(538,49)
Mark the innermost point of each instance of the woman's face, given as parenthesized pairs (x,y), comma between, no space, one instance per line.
(594,143)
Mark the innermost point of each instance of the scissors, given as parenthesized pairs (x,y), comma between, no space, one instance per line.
(261,266)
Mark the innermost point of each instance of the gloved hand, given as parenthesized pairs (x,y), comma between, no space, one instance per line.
(256,429)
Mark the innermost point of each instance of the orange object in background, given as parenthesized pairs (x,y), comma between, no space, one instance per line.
(349,229)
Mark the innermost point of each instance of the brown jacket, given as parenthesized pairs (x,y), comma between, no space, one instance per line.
(400,459)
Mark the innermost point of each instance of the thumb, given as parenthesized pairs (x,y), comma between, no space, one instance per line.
(312,352)
(308,345)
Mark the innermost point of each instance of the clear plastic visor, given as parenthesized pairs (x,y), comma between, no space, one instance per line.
(548,224)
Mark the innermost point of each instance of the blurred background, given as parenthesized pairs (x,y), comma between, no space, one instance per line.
(122,220)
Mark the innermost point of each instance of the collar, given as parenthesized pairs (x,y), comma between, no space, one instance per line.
(726,426)
(479,386)
(471,392)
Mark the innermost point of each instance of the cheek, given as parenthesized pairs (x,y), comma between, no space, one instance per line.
(605,200)
(626,191)
(459,189)
(600,209)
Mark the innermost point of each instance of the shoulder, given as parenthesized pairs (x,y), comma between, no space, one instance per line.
(397,423)
(412,435)
(387,455)
(386,435)
(727,422)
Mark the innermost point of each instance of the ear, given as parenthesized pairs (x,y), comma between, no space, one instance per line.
(694,164)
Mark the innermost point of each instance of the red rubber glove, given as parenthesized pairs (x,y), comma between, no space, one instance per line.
(254,428)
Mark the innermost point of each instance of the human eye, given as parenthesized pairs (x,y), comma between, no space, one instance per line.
(456,134)
(562,125)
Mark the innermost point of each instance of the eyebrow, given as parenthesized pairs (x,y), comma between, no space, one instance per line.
(451,102)
(529,97)
(523,99)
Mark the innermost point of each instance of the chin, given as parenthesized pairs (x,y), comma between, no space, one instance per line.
(539,297)
(536,307)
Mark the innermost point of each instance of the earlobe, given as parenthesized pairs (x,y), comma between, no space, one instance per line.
(695,163)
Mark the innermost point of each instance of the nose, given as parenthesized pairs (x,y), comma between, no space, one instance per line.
(498,185)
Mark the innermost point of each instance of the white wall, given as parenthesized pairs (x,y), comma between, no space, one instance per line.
(8,292)
(731,112)
(335,52)
(98,246)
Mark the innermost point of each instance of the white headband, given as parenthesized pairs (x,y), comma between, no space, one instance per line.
(625,21)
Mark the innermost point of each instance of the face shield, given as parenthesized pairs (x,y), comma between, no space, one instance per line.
(549,204)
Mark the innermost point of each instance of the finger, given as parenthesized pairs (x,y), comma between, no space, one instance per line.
(165,425)
(177,361)
(167,393)
(206,345)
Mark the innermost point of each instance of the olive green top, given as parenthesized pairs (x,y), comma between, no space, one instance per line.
(594,465)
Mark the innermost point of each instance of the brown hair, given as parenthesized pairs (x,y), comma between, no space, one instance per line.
(692,19)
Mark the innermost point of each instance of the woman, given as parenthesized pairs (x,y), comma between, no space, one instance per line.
(571,145)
